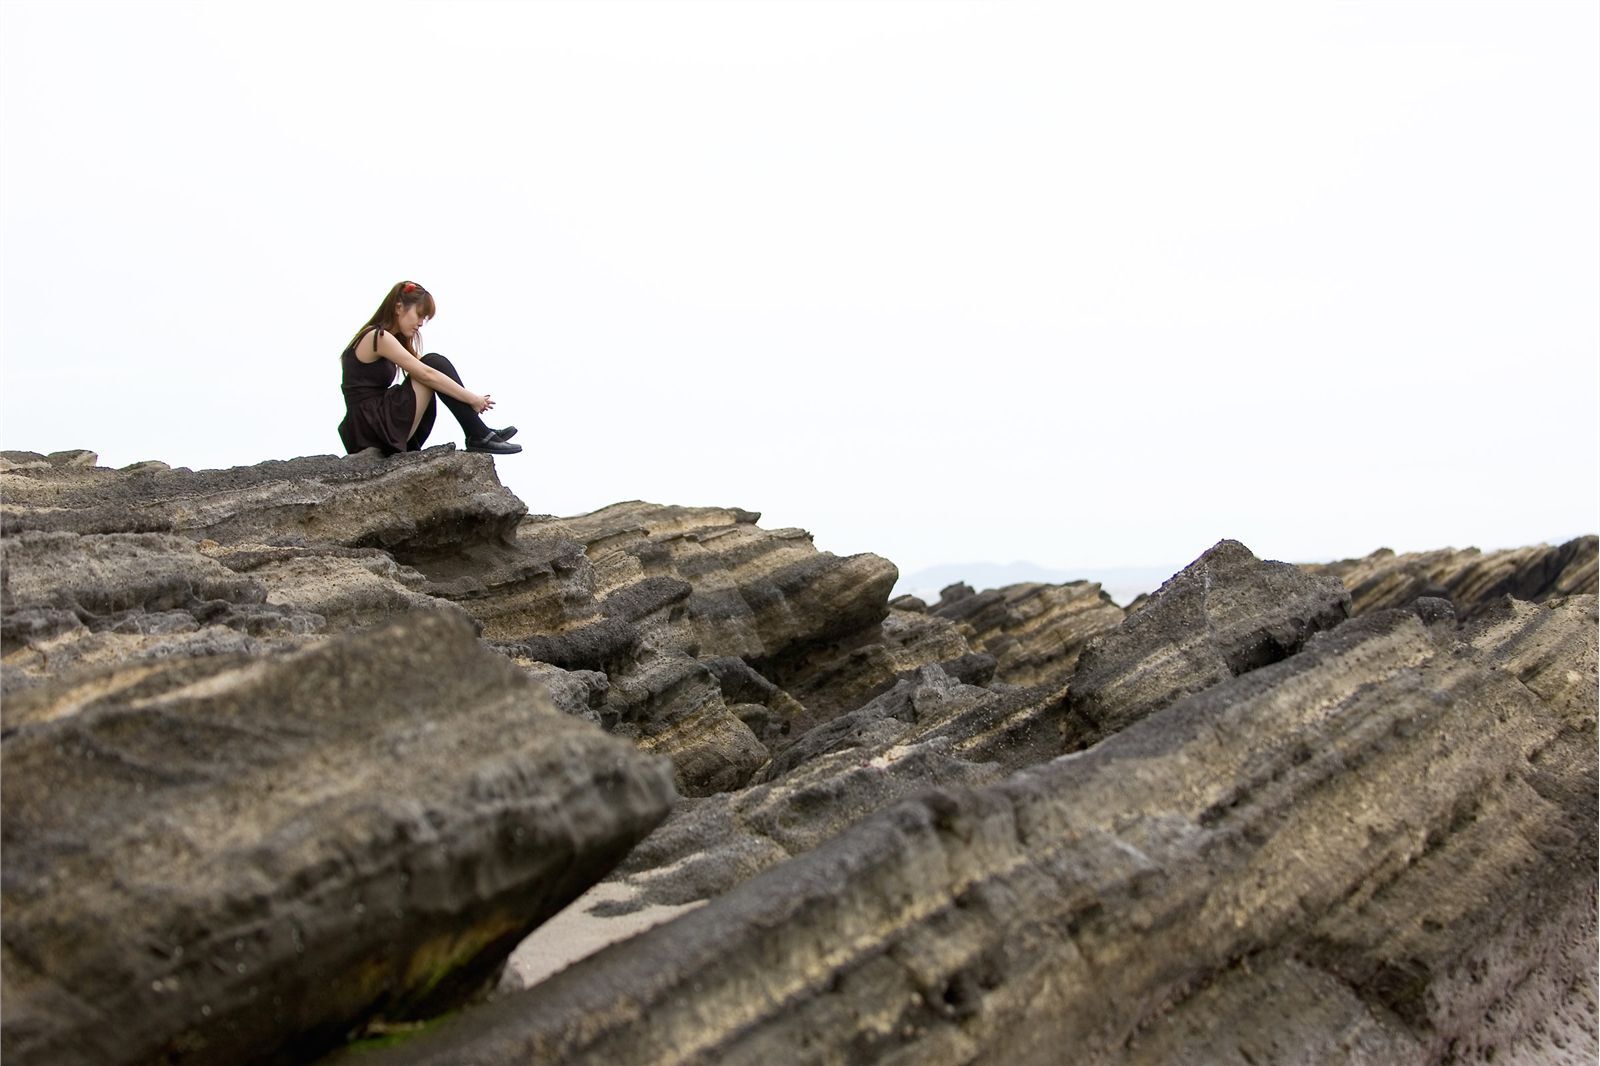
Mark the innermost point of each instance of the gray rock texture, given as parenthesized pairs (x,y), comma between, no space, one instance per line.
(1359,852)
(929,731)
(1223,615)
(298,752)
(106,566)
(1034,632)
(1472,580)
(81,600)
(436,499)
(832,677)
(251,861)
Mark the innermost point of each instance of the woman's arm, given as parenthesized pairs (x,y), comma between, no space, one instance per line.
(392,350)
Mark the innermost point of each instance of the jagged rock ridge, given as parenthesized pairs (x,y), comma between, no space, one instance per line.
(1472,580)
(1235,823)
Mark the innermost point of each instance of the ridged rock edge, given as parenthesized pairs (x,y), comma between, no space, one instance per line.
(1076,903)
(247,863)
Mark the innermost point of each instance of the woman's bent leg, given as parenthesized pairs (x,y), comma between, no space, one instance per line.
(471,424)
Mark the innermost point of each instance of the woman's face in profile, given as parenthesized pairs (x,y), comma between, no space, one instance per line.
(410,320)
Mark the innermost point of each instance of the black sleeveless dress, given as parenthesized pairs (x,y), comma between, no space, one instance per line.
(378,412)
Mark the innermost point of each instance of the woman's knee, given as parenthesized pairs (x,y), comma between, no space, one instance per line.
(442,365)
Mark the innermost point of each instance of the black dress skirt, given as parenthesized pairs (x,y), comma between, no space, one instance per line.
(378,412)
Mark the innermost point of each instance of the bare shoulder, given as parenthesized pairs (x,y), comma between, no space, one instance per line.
(386,346)
(363,347)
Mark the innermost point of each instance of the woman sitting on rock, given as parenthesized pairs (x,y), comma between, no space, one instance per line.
(397,418)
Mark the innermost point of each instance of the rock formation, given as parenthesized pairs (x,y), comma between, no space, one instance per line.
(1362,851)
(1225,614)
(637,592)
(302,750)
(1472,580)
(1035,632)
(213,859)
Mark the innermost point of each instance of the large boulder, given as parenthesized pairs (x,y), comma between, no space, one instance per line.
(234,859)
(1224,614)
(1382,847)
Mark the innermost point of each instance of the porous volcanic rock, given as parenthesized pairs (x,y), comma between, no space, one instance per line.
(77,601)
(292,718)
(1383,845)
(669,589)
(929,731)
(1224,614)
(307,546)
(269,556)
(756,594)
(673,704)
(347,587)
(678,587)
(1472,580)
(1034,631)
(831,677)
(238,859)
(438,499)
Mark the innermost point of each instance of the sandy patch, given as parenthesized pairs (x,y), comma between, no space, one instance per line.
(575,934)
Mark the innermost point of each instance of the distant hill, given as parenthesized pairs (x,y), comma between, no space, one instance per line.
(1121,583)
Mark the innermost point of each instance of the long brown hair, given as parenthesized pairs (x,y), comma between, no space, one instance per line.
(404,294)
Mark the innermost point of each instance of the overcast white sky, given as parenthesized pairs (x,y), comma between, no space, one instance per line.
(1083,284)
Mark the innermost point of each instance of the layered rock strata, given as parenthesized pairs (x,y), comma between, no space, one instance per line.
(752,593)
(243,859)
(1378,841)
(261,559)
(75,601)
(1223,615)
(829,678)
(683,592)
(1035,632)
(436,500)
(929,731)
(1472,580)
(1280,833)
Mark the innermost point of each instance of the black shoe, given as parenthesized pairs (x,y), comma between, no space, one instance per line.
(493,445)
(503,434)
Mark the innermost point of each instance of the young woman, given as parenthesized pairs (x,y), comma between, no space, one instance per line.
(397,418)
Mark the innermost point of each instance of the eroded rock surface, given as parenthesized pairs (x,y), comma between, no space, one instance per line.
(1230,824)
(249,860)
(1472,580)
(1035,632)
(107,566)
(1379,842)
(75,601)
(434,499)
(929,731)
(1224,614)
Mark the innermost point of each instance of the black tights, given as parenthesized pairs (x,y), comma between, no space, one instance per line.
(471,424)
